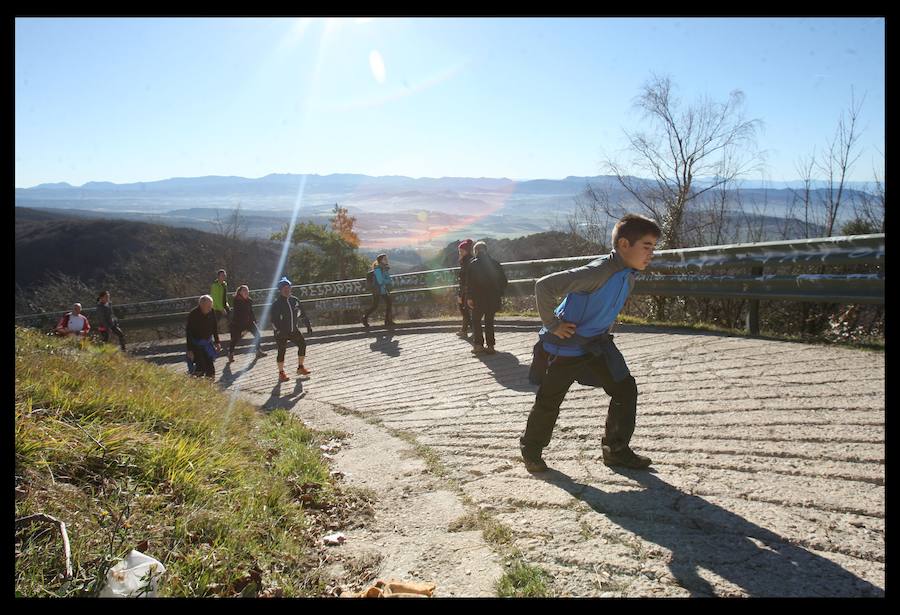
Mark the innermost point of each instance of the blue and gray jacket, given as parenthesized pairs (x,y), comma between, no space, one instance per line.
(593,297)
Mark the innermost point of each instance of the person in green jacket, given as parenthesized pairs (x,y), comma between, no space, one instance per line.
(218,290)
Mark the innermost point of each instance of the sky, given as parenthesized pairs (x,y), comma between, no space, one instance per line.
(129,100)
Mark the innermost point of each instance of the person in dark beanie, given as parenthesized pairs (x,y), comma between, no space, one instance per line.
(201,329)
(287,313)
(107,322)
(243,319)
(484,290)
(382,289)
(465,257)
(578,346)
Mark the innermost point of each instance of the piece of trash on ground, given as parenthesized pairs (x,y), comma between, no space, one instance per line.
(337,538)
(135,576)
(394,589)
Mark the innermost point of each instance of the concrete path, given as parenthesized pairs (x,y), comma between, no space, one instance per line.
(768,474)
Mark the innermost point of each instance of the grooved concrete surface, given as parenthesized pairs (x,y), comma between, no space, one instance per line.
(768,474)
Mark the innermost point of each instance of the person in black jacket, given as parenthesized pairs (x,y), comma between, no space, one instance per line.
(243,319)
(107,321)
(484,290)
(201,329)
(465,257)
(286,316)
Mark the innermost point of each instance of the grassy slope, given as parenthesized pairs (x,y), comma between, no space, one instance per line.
(124,452)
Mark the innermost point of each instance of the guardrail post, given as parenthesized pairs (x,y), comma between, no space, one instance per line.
(753,311)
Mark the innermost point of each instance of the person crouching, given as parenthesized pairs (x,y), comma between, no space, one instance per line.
(200,331)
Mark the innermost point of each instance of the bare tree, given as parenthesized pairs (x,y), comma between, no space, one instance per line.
(591,218)
(837,160)
(706,139)
(755,220)
(804,167)
(869,205)
(232,226)
(231,229)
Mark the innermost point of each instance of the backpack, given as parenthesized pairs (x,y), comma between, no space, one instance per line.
(370,281)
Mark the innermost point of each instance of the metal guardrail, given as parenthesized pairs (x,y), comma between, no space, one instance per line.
(681,272)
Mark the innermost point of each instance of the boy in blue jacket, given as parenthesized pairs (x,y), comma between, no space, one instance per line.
(576,338)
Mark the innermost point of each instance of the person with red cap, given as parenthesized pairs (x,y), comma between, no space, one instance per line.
(465,257)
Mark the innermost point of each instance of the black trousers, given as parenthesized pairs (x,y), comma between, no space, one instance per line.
(561,373)
(477,337)
(387,307)
(104,335)
(282,341)
(466,314)
(237,332)
(203,364)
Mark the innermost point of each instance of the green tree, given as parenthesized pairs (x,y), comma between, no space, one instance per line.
(342,224)
(321,255)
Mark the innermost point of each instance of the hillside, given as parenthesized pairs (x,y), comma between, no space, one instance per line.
(551,244)
(132,456)
(61,260)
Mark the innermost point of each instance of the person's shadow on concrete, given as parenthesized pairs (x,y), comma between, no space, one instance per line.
(228,377)
(286,398)
(385,342)
(508,371)
(703,535)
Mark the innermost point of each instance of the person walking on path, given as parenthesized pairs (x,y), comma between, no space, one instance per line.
(242,320)
(107,322)
(465,257)
(73,323)
(200,332)
(287,313)
(577,345)
(485,285)
(218,290)
(382,284)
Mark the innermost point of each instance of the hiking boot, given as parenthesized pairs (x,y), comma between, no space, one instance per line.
(365,322)
(390,324)
(534,464)
(282,377)
(625,458)
(490,350)
(231,357)
(462,333)
(303,371)
(478,350)
(260,354)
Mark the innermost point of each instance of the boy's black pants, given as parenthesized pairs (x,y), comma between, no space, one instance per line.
(561,373)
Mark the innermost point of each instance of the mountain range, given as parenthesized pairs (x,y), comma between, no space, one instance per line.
(391,210)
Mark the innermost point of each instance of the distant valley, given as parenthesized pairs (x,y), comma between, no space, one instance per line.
(391,212)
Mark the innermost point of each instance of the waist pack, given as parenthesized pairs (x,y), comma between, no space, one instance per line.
(541,359)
